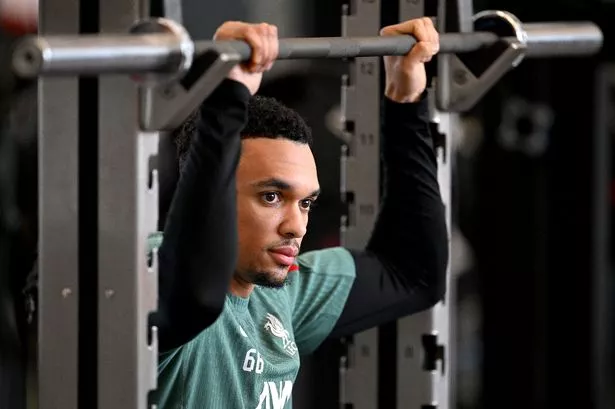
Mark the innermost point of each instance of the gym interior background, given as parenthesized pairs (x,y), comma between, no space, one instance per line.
(532,260)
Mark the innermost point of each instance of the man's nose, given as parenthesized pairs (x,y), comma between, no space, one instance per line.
(294,224)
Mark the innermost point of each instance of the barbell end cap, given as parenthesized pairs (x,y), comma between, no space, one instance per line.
(184,44)
(29,57)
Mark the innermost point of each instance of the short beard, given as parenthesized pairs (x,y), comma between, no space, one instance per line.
(264,280)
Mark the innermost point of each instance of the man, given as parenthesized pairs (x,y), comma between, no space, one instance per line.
(281,304)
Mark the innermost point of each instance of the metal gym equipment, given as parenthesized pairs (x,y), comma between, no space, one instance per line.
(98,140)
(423,359)
(160,50)
(420,344)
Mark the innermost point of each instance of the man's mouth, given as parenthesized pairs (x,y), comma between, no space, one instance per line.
(284,255)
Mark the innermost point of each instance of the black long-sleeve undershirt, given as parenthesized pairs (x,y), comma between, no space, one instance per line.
(401,271)
(403,268)
(198,255)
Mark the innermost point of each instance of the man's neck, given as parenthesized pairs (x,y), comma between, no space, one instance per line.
(240,288)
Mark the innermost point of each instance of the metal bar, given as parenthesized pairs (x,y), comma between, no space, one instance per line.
(59,245)
(99,54)
(562,39)
(348,47)
(127,54)
(96,54)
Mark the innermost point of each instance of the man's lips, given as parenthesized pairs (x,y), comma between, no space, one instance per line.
(284,255)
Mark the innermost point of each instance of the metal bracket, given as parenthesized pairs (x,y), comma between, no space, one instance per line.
(166,107)
(464,80)
(168,99)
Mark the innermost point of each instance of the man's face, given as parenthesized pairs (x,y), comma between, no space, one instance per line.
(277,183)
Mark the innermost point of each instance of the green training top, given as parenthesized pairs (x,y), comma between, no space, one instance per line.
(249,358)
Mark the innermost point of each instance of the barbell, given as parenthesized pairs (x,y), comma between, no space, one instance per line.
(164,48)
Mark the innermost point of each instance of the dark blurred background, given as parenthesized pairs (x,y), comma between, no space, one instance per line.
(532,256)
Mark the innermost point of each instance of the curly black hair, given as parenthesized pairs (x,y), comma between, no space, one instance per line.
(267,118)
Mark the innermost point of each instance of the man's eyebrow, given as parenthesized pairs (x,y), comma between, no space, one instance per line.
(315,193)
(281,185)
(274,183)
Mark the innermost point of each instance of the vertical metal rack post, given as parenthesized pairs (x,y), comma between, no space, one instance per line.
(127,215)
(424,339)
(360,189)
(58,152)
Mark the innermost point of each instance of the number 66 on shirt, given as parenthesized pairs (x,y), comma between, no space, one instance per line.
(253,362)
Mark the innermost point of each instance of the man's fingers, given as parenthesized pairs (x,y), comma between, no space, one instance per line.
(406,27)
(425,50)
(270,37)
(252,35)
(262,38)
(423,30)
(421,53)
(270,45)
(430,30)
(416,27)
(275,44)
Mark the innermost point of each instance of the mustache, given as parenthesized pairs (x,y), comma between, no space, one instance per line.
(286,243)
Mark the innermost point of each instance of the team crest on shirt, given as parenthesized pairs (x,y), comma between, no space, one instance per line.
(274,325)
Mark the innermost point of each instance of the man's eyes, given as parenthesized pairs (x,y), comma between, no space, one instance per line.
(270,197)
(275,197)
(307,204)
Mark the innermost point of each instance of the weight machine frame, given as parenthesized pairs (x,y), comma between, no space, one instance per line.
(59,241)
(425,369)
(360,191)
(422,346)
(98,202)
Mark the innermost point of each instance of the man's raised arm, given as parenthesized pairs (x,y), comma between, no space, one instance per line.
(199,250)
(403,268)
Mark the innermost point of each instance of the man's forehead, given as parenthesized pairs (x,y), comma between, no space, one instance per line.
(271,153)
(277,159)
